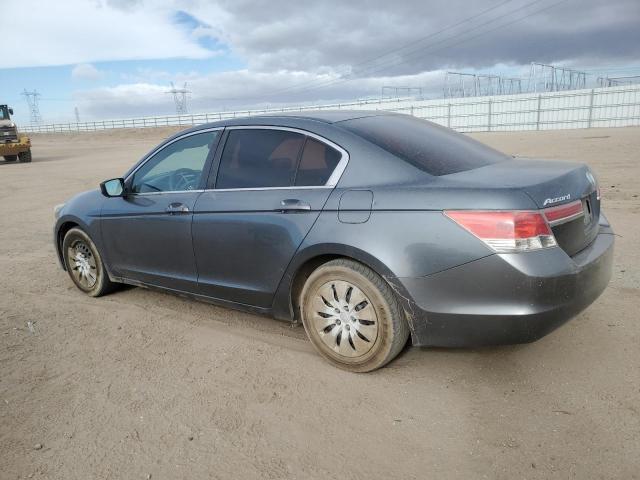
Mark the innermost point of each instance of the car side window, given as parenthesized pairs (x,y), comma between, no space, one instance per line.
(177,167)
(258,158)
(317,164)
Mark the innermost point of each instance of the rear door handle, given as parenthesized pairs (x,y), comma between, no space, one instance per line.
(294,205)
(177,208)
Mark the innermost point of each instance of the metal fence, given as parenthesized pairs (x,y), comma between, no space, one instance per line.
(598,107)
(202,118)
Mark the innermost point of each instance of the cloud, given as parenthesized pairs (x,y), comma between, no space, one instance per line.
(237,90)
(86,71)
(79,31)
(273,35)
(308,36)
(329,50)
(123,100)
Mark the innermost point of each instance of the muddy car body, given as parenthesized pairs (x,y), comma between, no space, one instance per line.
(368,227)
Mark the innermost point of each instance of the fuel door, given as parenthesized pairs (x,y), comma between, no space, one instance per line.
(355,206)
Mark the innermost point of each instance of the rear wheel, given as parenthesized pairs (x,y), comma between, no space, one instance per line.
(10,158)
(84,264)
(25,157)
(352,316)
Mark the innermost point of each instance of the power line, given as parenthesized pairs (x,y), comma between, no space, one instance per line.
(405,60)
(373,59)
(414,42)
(409,56)
(414,51)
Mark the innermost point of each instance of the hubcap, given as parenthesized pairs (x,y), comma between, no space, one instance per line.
(83,264)
(344,318)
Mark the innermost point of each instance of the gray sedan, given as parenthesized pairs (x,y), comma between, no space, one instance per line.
(367,227)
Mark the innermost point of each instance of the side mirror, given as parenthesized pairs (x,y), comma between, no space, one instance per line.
(113,187)
(11,111)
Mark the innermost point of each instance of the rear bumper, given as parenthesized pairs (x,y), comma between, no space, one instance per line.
(507,298)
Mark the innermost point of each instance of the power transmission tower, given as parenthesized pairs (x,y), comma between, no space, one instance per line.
(618,81)
(488,84)
(34,108)
(180,98)
(396,91)
(75,110)
(461,84)
(549,78)
(511,85)
(458,84)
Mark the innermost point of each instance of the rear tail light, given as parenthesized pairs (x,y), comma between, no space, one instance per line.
(564,213)
(506,232)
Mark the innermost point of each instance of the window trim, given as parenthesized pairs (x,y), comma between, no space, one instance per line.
(205,169)
(331,182)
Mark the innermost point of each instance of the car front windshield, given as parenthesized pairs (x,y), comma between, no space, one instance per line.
(4,114)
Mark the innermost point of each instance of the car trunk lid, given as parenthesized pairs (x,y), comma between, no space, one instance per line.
(549,184)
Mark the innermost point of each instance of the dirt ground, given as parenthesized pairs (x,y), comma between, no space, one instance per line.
(142,383)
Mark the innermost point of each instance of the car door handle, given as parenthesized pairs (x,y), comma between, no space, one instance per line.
(176,208)
(294,205)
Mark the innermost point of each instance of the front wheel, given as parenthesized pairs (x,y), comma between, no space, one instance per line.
(352,316)
(25,157)
(84,264)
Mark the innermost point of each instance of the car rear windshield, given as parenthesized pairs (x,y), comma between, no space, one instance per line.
(430,147)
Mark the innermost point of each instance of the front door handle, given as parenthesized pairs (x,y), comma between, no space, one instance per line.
(176,208)
(294,205)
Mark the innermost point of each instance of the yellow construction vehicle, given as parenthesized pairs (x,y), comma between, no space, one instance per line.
(13,145)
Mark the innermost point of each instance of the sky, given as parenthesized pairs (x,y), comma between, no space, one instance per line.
(116,58)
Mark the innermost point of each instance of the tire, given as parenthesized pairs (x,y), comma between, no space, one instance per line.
(10,158)
(81,258)
(352,316)
(25,157)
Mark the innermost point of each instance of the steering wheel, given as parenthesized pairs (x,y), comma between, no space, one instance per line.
(183,179)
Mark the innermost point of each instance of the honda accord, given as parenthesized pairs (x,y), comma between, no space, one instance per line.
(367,227)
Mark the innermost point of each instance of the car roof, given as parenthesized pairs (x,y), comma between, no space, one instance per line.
(291,119)
(326,116)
